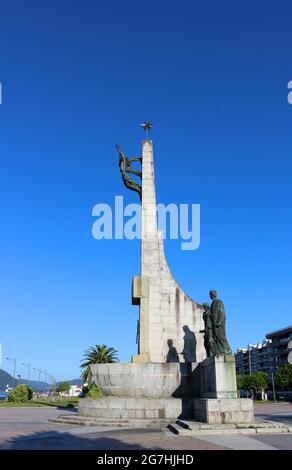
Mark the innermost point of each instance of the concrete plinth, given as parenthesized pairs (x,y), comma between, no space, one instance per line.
(223,411)
(152,394)
(218,377)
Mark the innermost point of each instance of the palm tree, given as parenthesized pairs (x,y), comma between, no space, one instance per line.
(99,354)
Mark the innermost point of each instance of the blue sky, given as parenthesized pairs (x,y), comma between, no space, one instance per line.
(79,76)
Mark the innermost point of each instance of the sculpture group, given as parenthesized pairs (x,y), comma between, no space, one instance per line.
(184,366)
(214,317)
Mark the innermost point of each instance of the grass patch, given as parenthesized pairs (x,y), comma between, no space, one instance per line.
(266,402)
(245,427)
(62,403)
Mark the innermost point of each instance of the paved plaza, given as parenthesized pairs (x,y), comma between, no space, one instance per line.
(28,428)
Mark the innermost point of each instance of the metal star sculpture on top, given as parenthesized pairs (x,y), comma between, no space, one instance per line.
(125,165)
(147,125)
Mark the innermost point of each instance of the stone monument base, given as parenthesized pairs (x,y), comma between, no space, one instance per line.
(137,380)
(150,394)
(218,377)
(223,411)
(217,401)
(150,410)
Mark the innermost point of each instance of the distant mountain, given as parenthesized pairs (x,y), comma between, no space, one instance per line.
(71,382)
(7,379)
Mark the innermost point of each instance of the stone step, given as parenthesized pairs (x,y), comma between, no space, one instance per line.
(272,430)
(261,424)
(91,418)
(273,424)
(196,425)
(180,431)
(76,422)
(92,423)
(189,424)
(177,429)
(194,428)
(105,422)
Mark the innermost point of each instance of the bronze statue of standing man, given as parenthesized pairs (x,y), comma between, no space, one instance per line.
(218,317)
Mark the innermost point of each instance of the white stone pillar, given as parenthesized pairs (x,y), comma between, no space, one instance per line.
(149,248)
(165,310)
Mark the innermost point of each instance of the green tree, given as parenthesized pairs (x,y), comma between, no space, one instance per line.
(63,387)
(284,377)
(99,354)
(240,382)
(20,393)
(256,381)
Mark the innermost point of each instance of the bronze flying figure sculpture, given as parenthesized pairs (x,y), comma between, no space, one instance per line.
(126,168)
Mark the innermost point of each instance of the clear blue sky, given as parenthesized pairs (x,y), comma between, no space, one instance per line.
(79,76)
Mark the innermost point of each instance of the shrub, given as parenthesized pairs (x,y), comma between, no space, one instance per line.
(85,390)
(20,393)
(63,387)
(91,392)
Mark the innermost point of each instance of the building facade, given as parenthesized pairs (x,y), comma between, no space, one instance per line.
(266,356)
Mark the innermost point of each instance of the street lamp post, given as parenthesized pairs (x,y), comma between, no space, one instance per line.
(273,378)
(14,370)
(50,382)
(249,359)
(273,385)
(53,383)
(46,378)
(39,383)
(28,373)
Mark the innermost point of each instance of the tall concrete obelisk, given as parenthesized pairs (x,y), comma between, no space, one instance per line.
(166,312)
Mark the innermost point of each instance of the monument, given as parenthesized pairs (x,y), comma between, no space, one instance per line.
(184,367)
